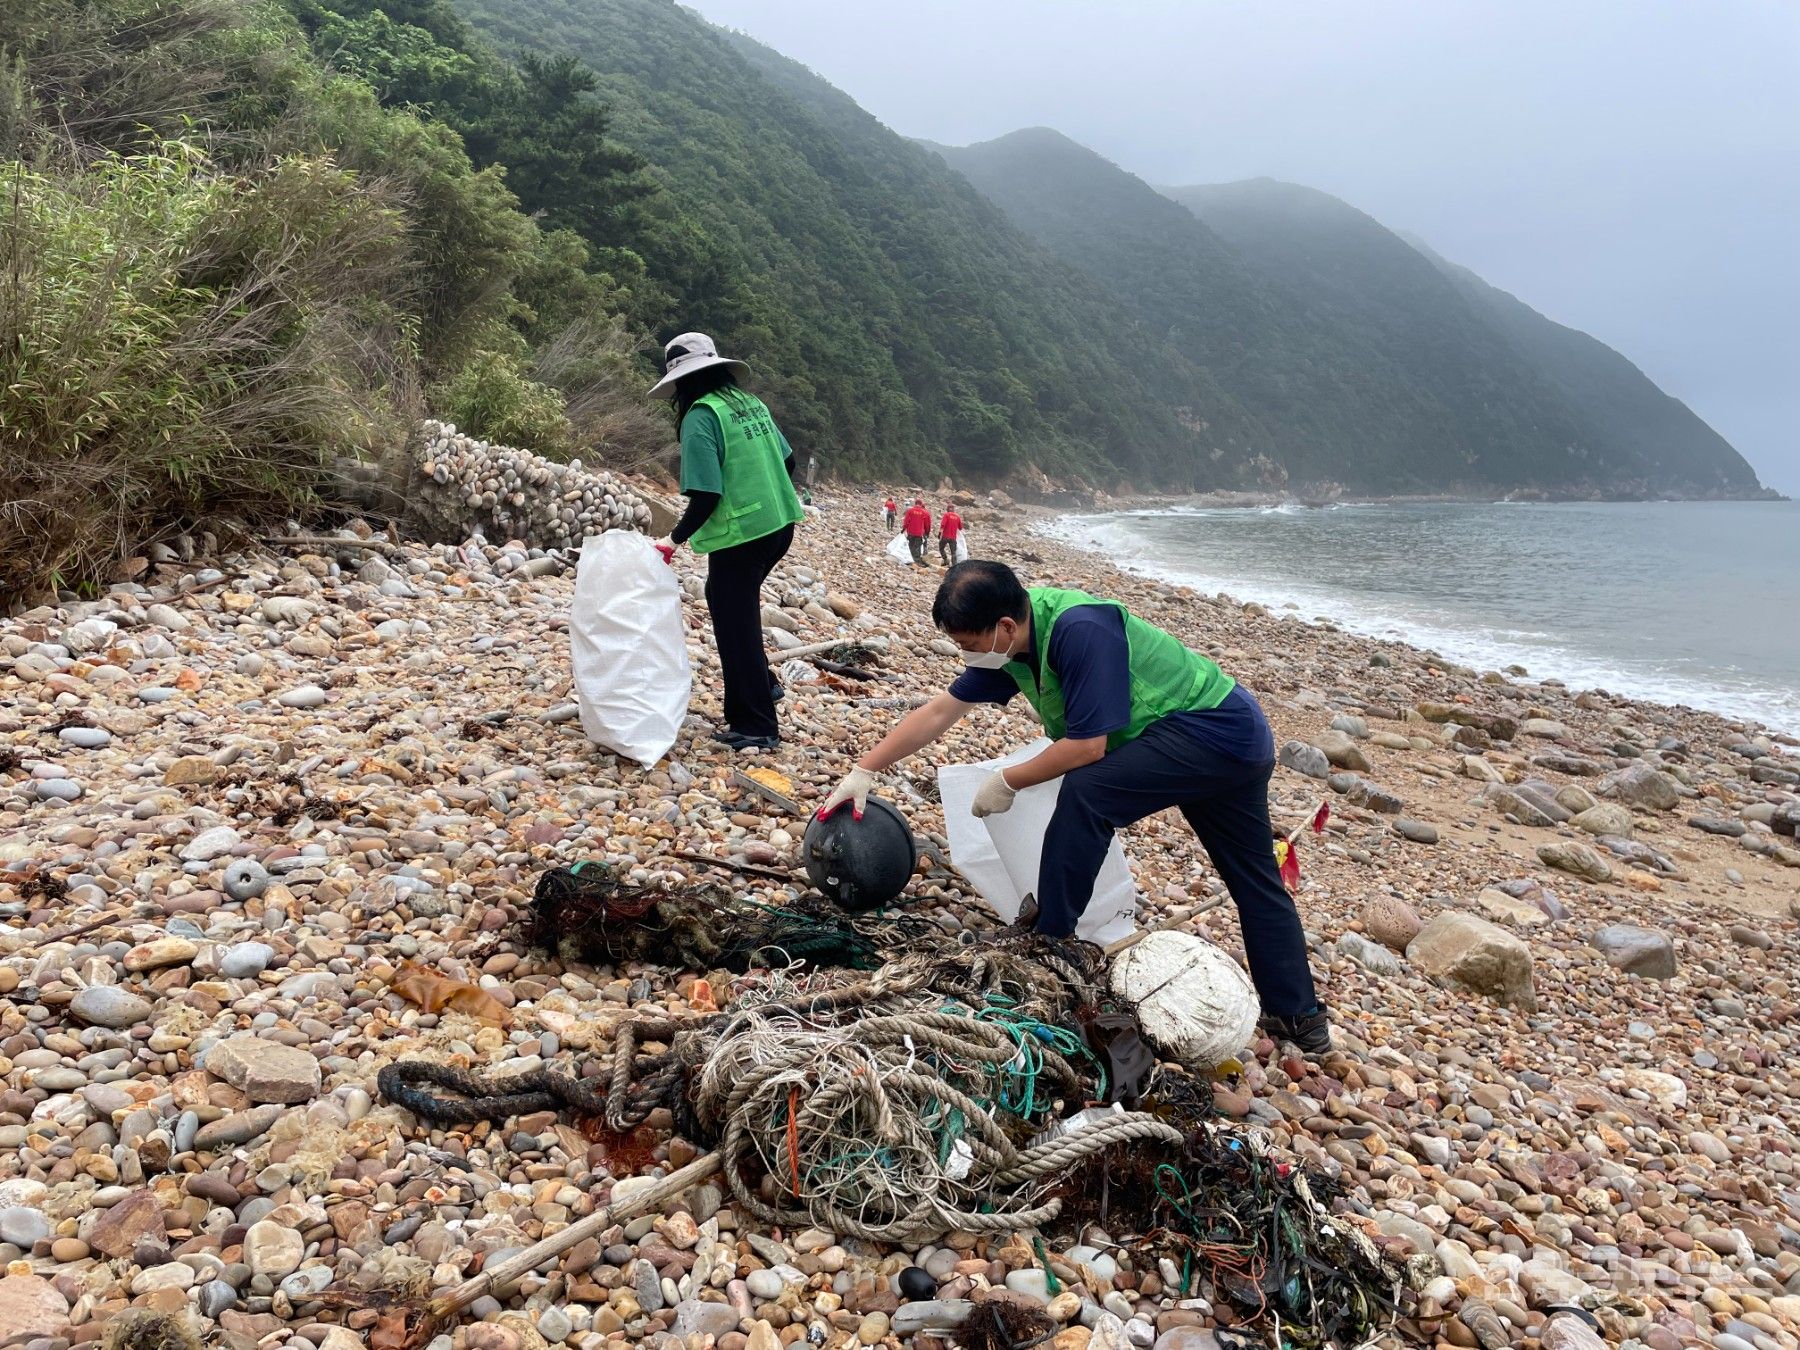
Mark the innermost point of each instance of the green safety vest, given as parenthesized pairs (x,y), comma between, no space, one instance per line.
(1166,676)
(758,497)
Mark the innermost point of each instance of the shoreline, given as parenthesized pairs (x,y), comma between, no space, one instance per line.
(1548,658)
(288,777)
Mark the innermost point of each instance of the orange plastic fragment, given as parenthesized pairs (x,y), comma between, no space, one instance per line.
(434,993)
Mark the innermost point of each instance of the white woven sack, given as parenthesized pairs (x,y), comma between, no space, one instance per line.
(1193,1001)
(900,551)
(628,647)
(1000,854)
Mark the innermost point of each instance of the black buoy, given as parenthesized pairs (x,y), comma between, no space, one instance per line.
(916,1284)
(860,864)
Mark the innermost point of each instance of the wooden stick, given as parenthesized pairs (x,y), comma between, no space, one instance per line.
(819,648)
(333,541)
(728,865)
(651,1197)
(1174,921)
(68,933)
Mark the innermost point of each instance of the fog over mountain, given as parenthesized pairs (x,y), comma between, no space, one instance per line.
(1630,171)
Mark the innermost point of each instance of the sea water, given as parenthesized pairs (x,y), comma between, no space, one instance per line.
(1695,603)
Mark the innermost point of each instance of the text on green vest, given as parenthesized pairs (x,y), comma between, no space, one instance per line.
(758,497)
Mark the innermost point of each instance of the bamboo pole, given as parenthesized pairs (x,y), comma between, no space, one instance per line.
(453,1301)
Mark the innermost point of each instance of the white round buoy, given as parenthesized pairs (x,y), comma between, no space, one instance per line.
(1192,999)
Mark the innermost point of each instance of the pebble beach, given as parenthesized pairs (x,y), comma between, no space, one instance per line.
(247,796)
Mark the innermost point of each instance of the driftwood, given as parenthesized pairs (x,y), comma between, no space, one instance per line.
(650,1199)
(729,865)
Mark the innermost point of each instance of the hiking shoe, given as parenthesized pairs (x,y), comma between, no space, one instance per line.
(1310,1031)
(737,740)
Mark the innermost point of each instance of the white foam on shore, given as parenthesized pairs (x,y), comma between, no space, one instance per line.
(1655,679)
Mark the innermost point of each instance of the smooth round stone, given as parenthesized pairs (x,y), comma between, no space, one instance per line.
(57,789)
(305,696)
(214,1297)
(156,694)
(23,1227)
(87,738)
(765,1285)
(107,1005)
(69,1249)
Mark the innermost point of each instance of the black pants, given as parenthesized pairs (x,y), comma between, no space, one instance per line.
(734,578)
(946,550)
(917,542)
(1226,800)
(890,520)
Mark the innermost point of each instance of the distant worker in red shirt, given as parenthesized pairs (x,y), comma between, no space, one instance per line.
(949,530)
(891,508)
(918,530)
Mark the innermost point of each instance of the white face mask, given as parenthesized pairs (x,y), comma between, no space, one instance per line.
(995,658)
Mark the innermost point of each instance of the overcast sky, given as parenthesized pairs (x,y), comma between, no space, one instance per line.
(1628,167)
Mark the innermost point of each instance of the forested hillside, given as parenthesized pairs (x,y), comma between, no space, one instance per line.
(895,316)
(1340,404)
(1674,446)
(1521,388)
(1365,361)
(248,239)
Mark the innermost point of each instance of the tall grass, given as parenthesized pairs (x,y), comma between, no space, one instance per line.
(178,343)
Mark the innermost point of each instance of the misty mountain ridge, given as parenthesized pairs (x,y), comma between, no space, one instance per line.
(1316,315)
(1024,305)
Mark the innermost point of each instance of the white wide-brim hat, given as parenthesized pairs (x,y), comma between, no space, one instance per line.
(688,353)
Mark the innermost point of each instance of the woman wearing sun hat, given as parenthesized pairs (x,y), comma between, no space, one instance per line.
(737,474)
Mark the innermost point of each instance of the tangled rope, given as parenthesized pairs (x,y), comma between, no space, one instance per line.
(890,1107)
(886,1129)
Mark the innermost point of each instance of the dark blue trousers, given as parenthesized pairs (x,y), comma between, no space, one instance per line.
(1226,801)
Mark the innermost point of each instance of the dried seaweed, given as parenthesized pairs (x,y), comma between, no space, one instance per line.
(585,913)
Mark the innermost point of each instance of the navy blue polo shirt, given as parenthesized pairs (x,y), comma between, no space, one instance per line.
(1091,658)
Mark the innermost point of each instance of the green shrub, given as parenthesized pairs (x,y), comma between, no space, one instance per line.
(493,399)
(176,343)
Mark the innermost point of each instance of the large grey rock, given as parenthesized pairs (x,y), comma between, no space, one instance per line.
(1642,785)
(1606,818)
(1577,860)
(265,1071)
(1342,751)
(210,844)
(1305,759)
(1470,953)
(694,1318)
(1510,802)
(107,1005)
(1371,956)
(1512,909)
(1637,950)
(1359,791)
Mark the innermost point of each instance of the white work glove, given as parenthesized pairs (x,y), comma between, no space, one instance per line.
(995,797)
(666,547)
(854,789)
